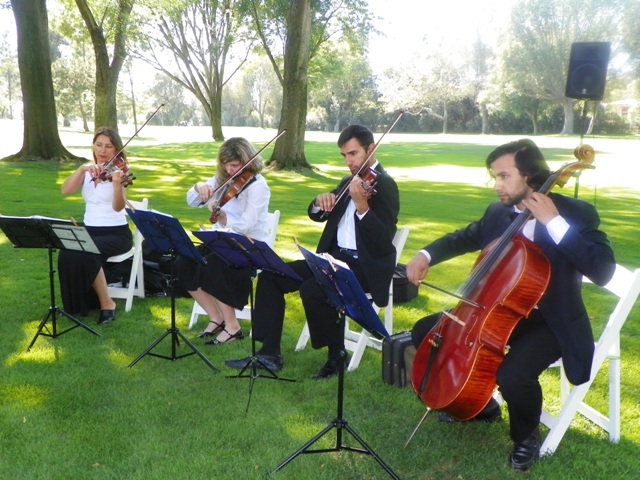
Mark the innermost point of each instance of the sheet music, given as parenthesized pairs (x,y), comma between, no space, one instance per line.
(46,232)
(39,217)
(165,234)
(75,237)
(343,290)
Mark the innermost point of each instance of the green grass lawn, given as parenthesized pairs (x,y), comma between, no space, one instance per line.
(71,409)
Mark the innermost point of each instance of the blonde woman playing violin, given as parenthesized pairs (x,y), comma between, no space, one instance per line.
(241,207)
(83,284)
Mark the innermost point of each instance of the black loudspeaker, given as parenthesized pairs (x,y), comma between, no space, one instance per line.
(587,70)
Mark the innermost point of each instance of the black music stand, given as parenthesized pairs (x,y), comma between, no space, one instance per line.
(345,294)
(240,251)
(165,234)
(52,234)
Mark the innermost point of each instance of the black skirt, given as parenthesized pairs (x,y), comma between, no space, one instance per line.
(78,270)
(229,285)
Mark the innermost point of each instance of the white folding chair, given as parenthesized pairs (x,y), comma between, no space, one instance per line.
(273,219)
(135,287)
(357,341)
(625,284)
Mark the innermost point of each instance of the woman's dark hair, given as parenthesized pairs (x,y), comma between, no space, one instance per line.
(529,161)
(113,136)
(359,132)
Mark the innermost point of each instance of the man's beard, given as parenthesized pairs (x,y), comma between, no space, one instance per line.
(511,201)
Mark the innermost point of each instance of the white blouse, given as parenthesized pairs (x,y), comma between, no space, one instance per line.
(98,199)
(246,212)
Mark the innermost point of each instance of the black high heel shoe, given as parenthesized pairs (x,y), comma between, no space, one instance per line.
(239,335)
(106,316)
(215,331)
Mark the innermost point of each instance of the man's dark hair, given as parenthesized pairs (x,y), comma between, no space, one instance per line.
(529,161)
(359,132)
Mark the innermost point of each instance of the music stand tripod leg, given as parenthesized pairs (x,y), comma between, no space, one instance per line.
(175,336)
(53,310)
(340,424)
(254,364)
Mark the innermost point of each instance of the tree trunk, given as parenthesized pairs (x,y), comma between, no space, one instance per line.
(216,113)
(445,117)
(288,153)
(533,116)
(106,113)
(484,112)
(567,106)
(41,139)
(133,101)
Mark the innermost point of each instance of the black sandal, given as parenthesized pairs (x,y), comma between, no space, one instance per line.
(232,338)
(213,332)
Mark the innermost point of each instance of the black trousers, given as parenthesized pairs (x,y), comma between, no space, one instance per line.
(323,319)
(532,348)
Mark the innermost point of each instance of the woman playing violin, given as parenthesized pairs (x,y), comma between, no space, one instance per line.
(83,284)
(240,206)
(567,232)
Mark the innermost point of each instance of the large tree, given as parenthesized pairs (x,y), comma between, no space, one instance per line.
(191,41)
(291,33)
(342,91)
(430,84)
(110,28)
(41,139)
(73,84)
(288,152)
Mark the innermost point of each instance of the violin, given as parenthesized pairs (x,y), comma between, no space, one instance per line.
(369,178)
(233,189)
(115,164)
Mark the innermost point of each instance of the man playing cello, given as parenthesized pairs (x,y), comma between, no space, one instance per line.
(567,232)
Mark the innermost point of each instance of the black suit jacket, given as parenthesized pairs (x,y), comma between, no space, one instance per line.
(374,233)
(584,250)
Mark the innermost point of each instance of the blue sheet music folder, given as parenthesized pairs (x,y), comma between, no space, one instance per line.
(343,291)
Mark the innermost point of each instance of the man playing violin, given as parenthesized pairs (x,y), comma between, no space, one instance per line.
(238,198)
(567,231)
(359,229)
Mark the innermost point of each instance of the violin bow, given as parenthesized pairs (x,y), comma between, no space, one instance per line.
(108,163)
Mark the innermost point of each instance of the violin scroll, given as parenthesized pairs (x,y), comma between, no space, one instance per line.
(584,153)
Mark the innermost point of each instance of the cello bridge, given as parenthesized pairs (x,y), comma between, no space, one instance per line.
(454,318)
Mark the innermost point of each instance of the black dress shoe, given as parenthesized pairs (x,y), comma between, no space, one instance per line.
(331,368)
(273,363)
(526,452)
(488,415)
(106,316)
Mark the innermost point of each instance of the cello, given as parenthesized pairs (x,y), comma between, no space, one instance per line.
(455,365)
